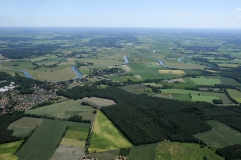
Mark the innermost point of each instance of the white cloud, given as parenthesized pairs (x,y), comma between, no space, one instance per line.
(238,9)
(225,17)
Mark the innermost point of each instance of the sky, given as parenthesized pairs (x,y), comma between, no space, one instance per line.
(121,13)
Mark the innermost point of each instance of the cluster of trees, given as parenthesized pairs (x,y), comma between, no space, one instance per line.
(231,152)
(234,73)
(25,52)
(5,121)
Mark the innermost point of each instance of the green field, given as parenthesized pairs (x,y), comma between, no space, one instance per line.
(24,126)
(124,78)
(135,88)
(75,132)
(7,150)
(184,151)
(235,94)
(144,152)
(106,136)
(64,110)
(220,136)
(206,80)
(45,139)
(106,155)
(182,97)
(203,98)
(181,91)
(230,81)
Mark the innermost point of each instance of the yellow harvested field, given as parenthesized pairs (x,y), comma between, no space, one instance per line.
(179,72)
(8,156)
(72,143)
(212,71)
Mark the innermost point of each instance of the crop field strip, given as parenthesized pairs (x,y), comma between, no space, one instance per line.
(220,136)
(43,142)
(106,136)
(235,94)
(7,150)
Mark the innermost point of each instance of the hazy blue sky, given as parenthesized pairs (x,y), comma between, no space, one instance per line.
(122,13)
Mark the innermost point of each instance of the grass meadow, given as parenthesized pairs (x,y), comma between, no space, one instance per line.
(144,152)
(220,136)
(7,150)
(230,81)
(206,80)
(64,110)
(183,151)
(235,94)
(106,136)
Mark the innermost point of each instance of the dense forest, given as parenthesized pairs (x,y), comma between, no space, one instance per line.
(5,121)
(143,119)
(231,152)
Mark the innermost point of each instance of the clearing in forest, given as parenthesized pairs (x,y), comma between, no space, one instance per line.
(99,102)
(106,136)
(220,136)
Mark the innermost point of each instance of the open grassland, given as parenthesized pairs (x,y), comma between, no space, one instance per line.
(106,136)
(84,70)
(182,97)
(153,84)
(181,91)
(24,126)
(230,81)
(220,136)
(206,80)
(99,102)
(184,151)
(45,139)
(235,94)
(8,149)
(106,155)
(144,152)
(178,72)
(64,110)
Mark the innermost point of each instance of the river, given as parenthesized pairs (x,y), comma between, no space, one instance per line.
(126,60)
(78,74)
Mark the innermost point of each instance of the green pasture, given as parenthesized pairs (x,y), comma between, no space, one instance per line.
(64,110)
(181,91)
(182,97)
(75,132)
(7,150)
(204,98)
(230,81)
(144,152)
(45,139)
(206,80)
(106,136)
(136,88)
(235,94)
(183,151)
(220,136)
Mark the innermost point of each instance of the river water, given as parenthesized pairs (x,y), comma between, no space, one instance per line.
(126,60)
(78,74)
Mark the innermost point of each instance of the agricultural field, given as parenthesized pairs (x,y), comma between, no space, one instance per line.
(106,136)
(182,97)
(72,145)
(105,155)
(45,139)
(220,136)
(135,88)
(164,95)
(235,94)
(123,78)
(64,110)
(24,126)
(183,151)
(206,80)
(99,102)
(7,150)
(144,152)
(230,81)
(178,72)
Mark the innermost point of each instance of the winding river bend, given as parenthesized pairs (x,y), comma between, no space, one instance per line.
(27,75)
(126,60)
